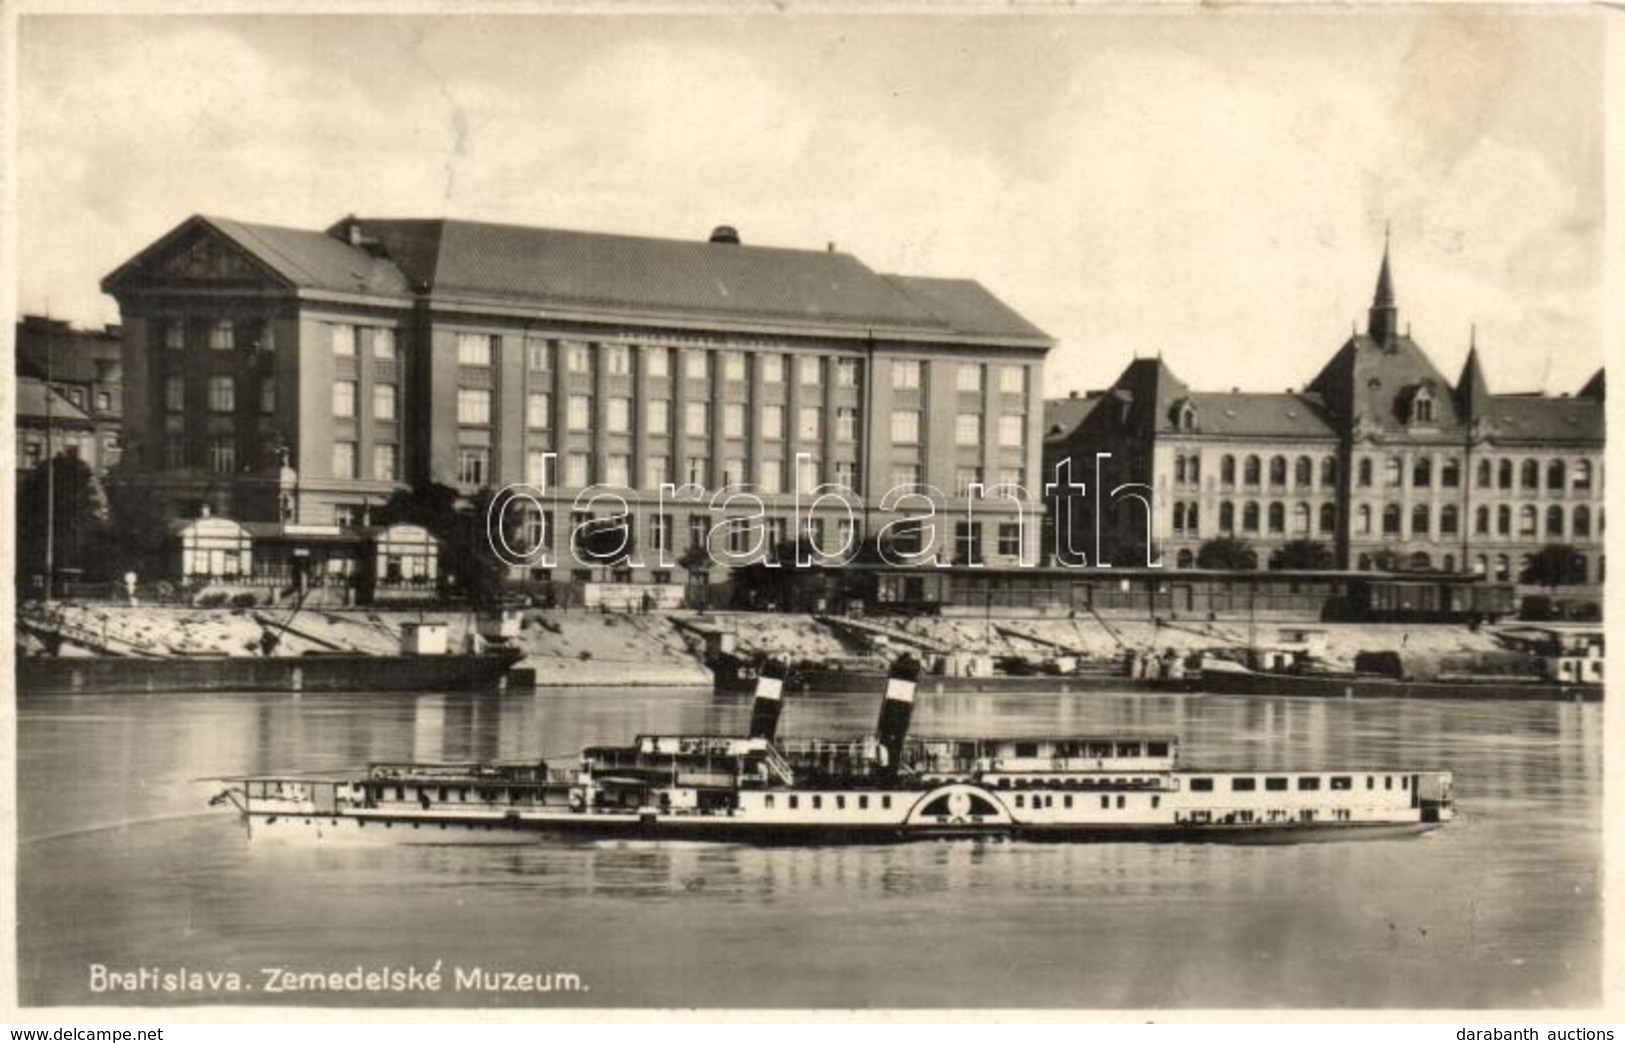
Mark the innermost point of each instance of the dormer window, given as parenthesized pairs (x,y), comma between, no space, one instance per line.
(1422,405)
(1185,416)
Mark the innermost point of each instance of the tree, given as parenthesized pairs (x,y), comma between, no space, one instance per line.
(469,552)
(1554,565)
(64,491)
(1305,554)
(136,538)
(1226,552)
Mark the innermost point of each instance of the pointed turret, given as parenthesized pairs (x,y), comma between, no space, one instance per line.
(1383,324)
(1472,390)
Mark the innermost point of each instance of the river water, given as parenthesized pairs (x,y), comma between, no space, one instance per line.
(121,865)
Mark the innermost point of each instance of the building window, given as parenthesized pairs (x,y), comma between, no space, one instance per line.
(1277,471)
(222,336)
(104,401)
(905,374)
(846,373)
(473,465)
(846,424)
(657,470)
(222,395)
(1328,472)
(846,473)
(473,349)
(696,471)
(696,365)
(809,428)
(968,429)
(1422,408)
(964,478)
(1362,520)
(343,459)
(576,470)
(1249,517)
(1303,473)
(1013,380)
(1582,522)
(1250,471)
(539,410)
(1554,521)
(174,452)
(1393,472)
(733,366)
(1528,519)
(1365,474)
(536,468)
(657,362)
(538,355)
(1420,520)
(620,415)
(970,377)
(474,406)
(772,476)
(771,367)
(175,394)
(660,532)
(1227,471)
(1555,476)
(383,345)
(384,401)
(223,455)
(659,416)
(1484,478)
(1300,520)
(1529,475)
(618,357)
(1503,520)
(905,475)
(1448,521)
(580,408)
(1010,539)
(1481,521)
(268,396)
(618,470)
(1328,518)
(733,420)
(809,370)
(1450,473)
(1390,520)
(733,471)
(344,392)
(385,462)
(1227,517)
(697,419)
(577,357)
(1422,472)
(968,542)
(1013,431)
(772,423)
(1277,516)
(1503,474)
(905,427)
(1582,475)
(175,334)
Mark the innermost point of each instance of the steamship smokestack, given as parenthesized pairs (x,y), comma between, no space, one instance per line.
(896,710)
(764,711)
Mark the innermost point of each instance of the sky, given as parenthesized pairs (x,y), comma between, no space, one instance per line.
(1210,185)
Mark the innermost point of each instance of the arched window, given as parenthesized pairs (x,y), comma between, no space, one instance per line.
(1503,568)
(1422,407)
(1421,561)
(1450,473)
(1481,565)
(1277,517)
(1227,471)
(1528,521)
(1582,474)
(1483,474)
(1364,563)
(1529,475)
(1481,522)
(1420,520)
(1303,472)
(1448,520)
(1179,517)
(1580,567)
(1504,475)
(1328,472)
(1328,517)
(1390,520)
(1422,472)
(1227,517)
(1554,475)
(1179,473)
(1393,472)
(1554,521)
(1190,519)
(1278,471)
(1300,520)
(1449,563)
(1187,417)
(1249,517)
(1582,522)
(1503,520)
(1249,471)
(1185,559)
(1362,520)
(1365,473)
(1193,469)
(1523,568)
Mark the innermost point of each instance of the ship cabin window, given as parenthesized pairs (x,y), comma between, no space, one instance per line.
(1066,801)
(1201,785)
(863,802)
(1026,749)
(400,792)
(1105,801)
(767,801)
(1275,785)
(1120,799)
(1387,782)
(442,795)
(1021,801)
(1308,783)
(1370,782)
(1128,749)
(885,802)
(1243,785)
(795,802)
(840,801)
(817,801)
(1004,783)
(1404,782)
(1100,749)
(1342,782)
(1156,749)
(1156,801)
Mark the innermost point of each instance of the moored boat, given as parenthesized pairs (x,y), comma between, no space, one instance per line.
(881,787)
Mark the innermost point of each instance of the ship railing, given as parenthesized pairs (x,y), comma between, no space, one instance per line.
(779,767)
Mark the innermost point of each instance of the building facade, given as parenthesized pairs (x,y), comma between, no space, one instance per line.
(1380,458)
(83,371)
(295,379)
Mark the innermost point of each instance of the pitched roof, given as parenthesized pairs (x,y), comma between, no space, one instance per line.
(1063,415)
(667,278)
(1472,390)
(1539,418)
(36,401)
(1374,380)
(1596,387)
(1262,414)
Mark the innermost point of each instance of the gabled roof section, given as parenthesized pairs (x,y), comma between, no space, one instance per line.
(1372,380)
(1472,390)
(1153,389)
(36,401)
(293,257)
(667,278)
(1539,418)
(1248,414)
(1596,387)
(1063,415)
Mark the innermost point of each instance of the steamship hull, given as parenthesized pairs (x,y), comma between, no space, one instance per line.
(316,673)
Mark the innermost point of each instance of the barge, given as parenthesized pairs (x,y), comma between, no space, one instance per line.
(886,786)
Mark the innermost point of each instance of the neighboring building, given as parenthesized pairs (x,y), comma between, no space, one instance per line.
(85,370)
(1381,458)
(294,379)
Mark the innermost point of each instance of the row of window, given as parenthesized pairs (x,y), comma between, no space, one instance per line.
(1186,518)
(478,350)
(1305,783)
(839,800)
(1107,801)
(1502,473)
(1560,522)
(1188,471)
(221,397)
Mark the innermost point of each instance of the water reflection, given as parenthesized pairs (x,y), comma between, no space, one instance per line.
(120,864)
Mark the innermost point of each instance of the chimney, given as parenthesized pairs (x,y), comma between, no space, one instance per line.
(725,234)
(896,710)
(1072,394)
(764,711)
